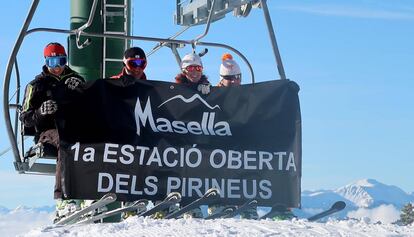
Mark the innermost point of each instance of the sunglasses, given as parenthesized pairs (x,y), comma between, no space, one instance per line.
(231,77)
(194,68)
(56,61)
(136,63)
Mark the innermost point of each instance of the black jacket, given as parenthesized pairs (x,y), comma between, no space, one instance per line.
(182,79)
(38,91)
(126,78)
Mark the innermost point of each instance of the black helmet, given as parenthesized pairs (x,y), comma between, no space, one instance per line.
(134,52)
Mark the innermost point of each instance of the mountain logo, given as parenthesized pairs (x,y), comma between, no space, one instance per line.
(189,100)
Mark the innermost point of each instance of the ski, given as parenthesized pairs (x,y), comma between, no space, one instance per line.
(172,199)
(136,205)
(105,200)
(226,211)
(249,204)
(209,197)
(276,209)
(336,207)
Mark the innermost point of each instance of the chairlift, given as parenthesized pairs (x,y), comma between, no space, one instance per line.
(40,158)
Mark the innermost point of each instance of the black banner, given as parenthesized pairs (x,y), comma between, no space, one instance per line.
(151,138)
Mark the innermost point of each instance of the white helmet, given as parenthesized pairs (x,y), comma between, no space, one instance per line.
(229,67)
(191,59)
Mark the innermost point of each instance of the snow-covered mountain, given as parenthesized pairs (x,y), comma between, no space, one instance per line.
(367,193)
(364,193)
(48,209)
(3,210)
(371,193)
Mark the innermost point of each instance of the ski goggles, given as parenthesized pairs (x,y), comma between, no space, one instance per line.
(136,63)
(231,77)
(55,61)
(194,68)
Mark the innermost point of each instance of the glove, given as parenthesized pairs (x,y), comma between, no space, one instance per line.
(48,107)
(204,88)
(73,83)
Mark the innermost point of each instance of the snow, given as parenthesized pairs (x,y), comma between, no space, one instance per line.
(31,223)
(366,183)
(374,220)
(227,227)
(383,213)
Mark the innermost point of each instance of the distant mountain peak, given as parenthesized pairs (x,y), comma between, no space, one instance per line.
(366,182)
(370,192)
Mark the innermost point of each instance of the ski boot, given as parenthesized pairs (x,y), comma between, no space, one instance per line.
(164,213)
(65,208)
(284,215)
(128,214)
(214,209)
(250,214)
(195,213)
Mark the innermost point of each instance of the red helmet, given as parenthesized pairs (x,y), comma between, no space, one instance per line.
(54,49)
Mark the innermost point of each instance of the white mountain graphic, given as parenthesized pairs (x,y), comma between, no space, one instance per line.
(191,99)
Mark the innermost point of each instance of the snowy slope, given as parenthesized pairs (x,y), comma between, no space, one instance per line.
(227,227)
(363,193)
(26,222)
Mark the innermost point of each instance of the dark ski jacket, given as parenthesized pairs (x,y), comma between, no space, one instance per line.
(38,91)
(182,79)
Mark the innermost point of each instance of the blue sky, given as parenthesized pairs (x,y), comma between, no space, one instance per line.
(352,60)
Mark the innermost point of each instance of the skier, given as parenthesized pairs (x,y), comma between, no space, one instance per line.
(39,108)
(230,74)
(134,62)
(192,74)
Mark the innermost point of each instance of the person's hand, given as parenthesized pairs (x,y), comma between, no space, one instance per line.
(73,83)
(48,107)
(204,88)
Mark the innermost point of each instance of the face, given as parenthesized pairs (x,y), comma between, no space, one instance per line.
(231,81)
(135,67)
(136,73)
(228,83)
(56,70)
(193,73)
